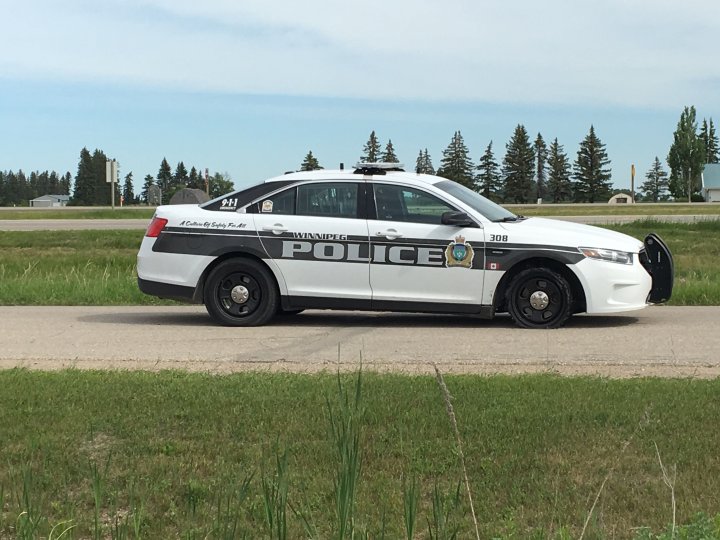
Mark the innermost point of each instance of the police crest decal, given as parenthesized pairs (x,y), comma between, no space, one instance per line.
(459,253)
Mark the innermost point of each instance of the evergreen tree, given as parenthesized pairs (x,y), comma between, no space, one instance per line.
(456,164)
(84,194)
(559,187)
(149,181)
(128,192)
(3,190)
(53,183)
(310,163)
(710,141)
(371,150)
(423,163)
(101,193)
(540,160)
(164,180)
(180,177)
(65,183)
(519,167)
(656,183)
(686,157)
(489,180)
(591,170)
(389,154)
(194,180)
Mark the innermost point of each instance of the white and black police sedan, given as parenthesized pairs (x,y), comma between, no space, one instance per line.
(378,238)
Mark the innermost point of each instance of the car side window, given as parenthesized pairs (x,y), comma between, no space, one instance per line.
(399,203)
(332,199)
(282,203)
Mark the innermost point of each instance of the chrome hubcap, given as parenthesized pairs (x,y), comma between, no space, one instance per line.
(539,300)
(239,294)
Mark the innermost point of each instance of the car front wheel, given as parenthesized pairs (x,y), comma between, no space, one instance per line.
(241,292)
(539,298)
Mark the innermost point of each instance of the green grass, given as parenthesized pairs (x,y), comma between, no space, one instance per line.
(696,251)
(98,267)
(78,213)
(177,455)
(613,209)
(70,268)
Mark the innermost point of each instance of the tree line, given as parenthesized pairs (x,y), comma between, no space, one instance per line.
(528,171)
(90,188)
(531,171)
(17,188)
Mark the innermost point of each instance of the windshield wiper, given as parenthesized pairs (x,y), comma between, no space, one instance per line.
(509,218)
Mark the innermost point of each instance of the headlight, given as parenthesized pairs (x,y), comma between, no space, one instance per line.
(610,255)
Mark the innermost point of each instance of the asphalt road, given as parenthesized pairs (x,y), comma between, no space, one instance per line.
(657,341)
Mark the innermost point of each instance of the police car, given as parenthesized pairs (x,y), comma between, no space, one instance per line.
(378,238)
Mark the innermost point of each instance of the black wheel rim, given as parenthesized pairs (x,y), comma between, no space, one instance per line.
(225,299)
(539,316)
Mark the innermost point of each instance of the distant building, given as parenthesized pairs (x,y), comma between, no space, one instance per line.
(621,198)
(711,182)
(49,201)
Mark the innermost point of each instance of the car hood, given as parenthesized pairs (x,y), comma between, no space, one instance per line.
(566,233)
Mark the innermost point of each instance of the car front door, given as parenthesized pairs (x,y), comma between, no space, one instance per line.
(416,260)
(314,234)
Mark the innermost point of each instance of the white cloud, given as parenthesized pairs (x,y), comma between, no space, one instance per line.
(637,53)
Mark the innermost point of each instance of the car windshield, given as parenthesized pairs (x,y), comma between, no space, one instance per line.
(492,211)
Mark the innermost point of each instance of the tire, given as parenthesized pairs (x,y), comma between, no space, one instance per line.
(539,298)
(241,292)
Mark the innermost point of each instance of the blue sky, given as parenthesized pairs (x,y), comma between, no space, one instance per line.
(249,87)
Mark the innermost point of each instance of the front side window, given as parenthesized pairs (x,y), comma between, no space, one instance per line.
(399,203)
(332,199)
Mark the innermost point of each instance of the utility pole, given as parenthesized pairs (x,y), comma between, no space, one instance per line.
(632,182)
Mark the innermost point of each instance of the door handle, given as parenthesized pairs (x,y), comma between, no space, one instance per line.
(390,234)
(277,228)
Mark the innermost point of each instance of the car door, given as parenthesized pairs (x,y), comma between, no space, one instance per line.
(314,234)
(418,261)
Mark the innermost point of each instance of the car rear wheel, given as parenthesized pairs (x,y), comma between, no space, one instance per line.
(539,298)
(241,292)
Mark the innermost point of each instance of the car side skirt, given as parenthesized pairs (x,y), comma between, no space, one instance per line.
(354,304)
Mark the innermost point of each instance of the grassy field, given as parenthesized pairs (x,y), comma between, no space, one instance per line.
(70,268)
(614,209)
(77,213)
(171,455)
(98,267)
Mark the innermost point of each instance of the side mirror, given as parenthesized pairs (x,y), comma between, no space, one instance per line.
(457,219)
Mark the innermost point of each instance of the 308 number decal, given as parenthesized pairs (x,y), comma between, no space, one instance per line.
(498,238)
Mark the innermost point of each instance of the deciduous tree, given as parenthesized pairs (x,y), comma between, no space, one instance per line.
(686,157)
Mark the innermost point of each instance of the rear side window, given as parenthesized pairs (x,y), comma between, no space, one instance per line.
(331,199)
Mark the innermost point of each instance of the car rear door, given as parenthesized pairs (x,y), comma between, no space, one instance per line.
(314,233)
(417,261)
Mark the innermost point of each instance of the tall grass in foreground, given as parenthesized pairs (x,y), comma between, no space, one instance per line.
(177,455)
